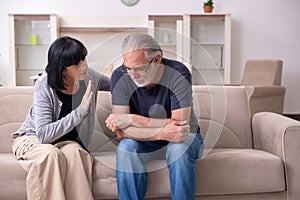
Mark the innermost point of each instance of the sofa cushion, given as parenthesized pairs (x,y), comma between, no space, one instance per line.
(14,105)
(103,110)
(238,171)
(221,171)
(222,112)
(104,175)
(223,115)
(13,177)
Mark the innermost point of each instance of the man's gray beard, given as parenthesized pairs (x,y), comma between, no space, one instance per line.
(141,84)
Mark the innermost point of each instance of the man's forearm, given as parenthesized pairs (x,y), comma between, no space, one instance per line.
(146,122)
(141,134)
(173,132)
(174,129)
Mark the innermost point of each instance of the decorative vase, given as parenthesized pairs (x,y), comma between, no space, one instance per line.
(34,39)
(208,9)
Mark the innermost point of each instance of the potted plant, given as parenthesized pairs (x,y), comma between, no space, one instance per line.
(208,6)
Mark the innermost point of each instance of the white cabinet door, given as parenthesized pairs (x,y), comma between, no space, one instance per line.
(30,37)
(207,47)
(168,31)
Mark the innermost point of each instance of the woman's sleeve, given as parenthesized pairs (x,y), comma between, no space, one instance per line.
(48,129)
(103,82)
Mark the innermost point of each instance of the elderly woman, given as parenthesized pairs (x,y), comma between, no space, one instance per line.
(51,144)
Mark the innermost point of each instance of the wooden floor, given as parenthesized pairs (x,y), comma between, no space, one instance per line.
(293,116)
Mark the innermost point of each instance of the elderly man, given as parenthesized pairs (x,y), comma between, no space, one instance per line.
(154,118)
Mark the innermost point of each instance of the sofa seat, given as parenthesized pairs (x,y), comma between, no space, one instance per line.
(220,172)
(12,175)
(240,171)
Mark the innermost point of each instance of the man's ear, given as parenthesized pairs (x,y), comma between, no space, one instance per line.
(157,59)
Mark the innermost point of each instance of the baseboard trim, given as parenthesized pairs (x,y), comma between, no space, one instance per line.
(293,116)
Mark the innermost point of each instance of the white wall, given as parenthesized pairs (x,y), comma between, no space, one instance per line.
(268,29)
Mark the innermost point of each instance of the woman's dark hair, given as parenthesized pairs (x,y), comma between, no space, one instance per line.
(63,52)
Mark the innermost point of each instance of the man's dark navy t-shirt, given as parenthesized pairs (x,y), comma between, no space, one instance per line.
(173,91)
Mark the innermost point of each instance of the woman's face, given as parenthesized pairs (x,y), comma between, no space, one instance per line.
(76,72)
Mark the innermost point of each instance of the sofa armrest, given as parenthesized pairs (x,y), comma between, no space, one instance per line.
(280,136)
(257,91)
(265,98)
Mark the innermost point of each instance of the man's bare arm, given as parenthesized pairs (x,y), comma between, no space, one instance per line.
(173,132)
(143,128)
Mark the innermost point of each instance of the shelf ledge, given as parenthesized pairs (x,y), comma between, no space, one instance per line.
(99,29)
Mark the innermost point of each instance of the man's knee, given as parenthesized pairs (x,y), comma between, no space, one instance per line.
(128,145)
(178,152)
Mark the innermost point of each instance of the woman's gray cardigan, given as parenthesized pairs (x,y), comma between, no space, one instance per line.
(42,119)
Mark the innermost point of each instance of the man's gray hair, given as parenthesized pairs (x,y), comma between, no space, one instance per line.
(136,41)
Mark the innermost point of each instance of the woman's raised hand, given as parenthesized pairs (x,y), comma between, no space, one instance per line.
(87,97)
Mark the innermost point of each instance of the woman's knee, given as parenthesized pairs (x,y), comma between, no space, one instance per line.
(51,153)
(68,147)
(74,152)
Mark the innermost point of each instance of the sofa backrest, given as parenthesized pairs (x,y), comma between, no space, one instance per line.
(222,112)
(103,139)
(224,116)
(14,105)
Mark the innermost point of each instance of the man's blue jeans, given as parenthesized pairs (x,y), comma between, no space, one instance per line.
(181,160)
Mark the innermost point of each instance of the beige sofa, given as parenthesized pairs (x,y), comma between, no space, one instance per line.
(245,157)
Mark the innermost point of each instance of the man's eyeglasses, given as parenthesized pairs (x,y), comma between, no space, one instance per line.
(139,69)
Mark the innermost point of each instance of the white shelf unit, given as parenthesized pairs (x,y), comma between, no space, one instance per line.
(102,36)
(207,47)
(30,58)
(168,31)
